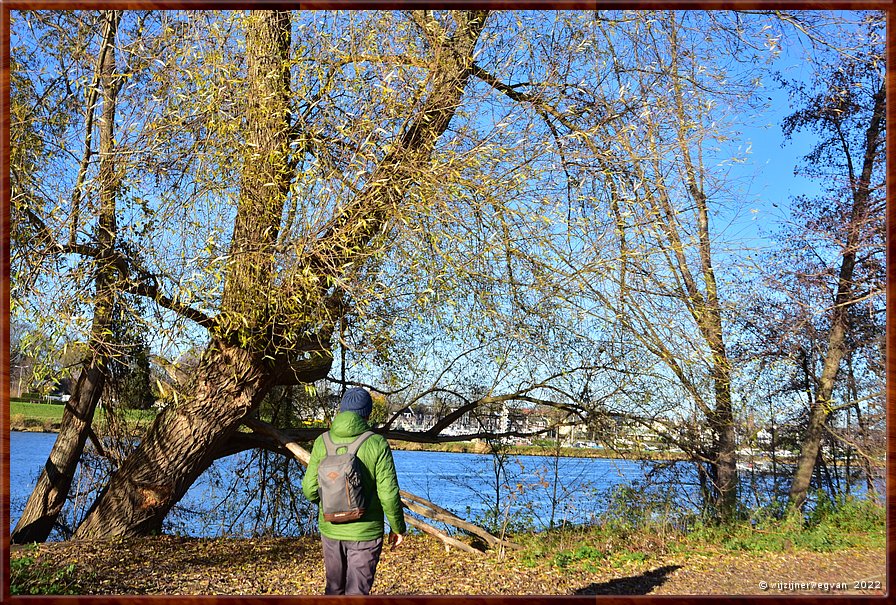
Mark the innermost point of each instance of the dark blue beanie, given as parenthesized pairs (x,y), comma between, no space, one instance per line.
(357,400)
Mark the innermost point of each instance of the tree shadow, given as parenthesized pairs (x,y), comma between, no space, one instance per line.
(632,585)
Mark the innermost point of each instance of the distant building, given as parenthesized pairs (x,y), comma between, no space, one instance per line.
(418,419)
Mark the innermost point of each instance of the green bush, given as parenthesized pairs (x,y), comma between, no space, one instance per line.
(583,553)
(830,525)
(631,557)
(847,514)
(562,559)
(587,552)
(636,528)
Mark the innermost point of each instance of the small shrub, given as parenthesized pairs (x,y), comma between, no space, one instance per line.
(631,557)
(831,525)
(28,576)
(846,514)
(587,552)
(583,553)
(562,559)
(531,558)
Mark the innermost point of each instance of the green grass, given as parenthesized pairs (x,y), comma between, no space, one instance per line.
(41,411)
(830,527)
(48,413)
(535,450)
(138,416)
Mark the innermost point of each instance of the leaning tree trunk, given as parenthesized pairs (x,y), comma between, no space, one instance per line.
(819,412)
(180,445)
(49,495)
(820,408)
(240,367)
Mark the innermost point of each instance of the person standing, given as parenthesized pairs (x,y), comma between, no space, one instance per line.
(352,549)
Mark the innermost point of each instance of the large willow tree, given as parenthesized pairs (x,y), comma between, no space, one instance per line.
(268,333)
(434,201)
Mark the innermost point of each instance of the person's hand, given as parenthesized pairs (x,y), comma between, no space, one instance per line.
(395,540)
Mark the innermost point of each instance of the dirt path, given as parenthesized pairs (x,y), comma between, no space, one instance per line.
(170,565)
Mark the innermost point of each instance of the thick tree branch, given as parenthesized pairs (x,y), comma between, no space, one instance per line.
(305,371)
(307,435)
(144,285)
(366,216)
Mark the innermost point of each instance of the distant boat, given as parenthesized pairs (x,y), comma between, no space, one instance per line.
(756,466)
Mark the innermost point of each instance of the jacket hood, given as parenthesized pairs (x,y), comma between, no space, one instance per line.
(348,424)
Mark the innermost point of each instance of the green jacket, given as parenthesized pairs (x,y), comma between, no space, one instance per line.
(380,482)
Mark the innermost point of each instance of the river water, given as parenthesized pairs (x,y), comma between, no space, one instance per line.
(533,490)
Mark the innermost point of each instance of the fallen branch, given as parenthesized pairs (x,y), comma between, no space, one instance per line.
(303,455)
(437,513)
(445,538)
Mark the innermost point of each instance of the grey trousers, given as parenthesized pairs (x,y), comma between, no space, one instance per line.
(350,565)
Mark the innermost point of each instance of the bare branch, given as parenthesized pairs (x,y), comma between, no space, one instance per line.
(871,458)
(145,285)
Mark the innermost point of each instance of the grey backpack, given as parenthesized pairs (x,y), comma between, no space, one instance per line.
(339,481)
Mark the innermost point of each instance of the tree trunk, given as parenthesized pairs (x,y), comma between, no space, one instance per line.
(244,362)
(180,445)
(818,413)
(705,307)
(706,310)
(820,408)
(49,495)
(725,464)
(233,376)
(722,418)
(266,174)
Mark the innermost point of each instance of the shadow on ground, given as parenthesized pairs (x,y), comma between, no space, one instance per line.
(643,584)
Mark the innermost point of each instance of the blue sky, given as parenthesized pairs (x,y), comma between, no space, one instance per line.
(774,163)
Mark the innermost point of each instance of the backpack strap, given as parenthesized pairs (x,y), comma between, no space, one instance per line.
(351,447)
(355,445)
(328,444)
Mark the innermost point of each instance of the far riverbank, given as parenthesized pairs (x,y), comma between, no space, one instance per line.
(480,447)
(50,424)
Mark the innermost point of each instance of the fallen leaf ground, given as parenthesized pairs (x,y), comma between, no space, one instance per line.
(173,565)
